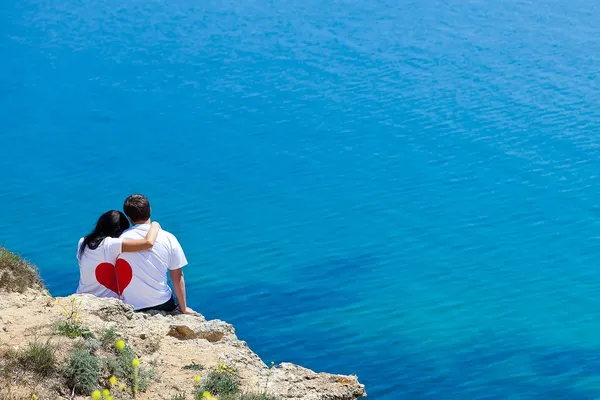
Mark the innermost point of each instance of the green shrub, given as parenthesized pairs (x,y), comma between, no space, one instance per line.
(219,383)
(194,367)
(179,396)
(16,274)
(255,396)
(248,396)
(82,371)
(38,357)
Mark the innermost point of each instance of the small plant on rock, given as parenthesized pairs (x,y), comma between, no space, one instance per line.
(146,374)
(204,396)
(108,337)
(240,396)
(91,344)
(136,375)
(250,396)
(126,367)
(71,325)
(225,369)
(119,366)
(271,368)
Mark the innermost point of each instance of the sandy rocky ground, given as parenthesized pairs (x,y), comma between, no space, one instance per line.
(167,341)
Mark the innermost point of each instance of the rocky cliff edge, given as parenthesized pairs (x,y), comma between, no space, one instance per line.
(179,349)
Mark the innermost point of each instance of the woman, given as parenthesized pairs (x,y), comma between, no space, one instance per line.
(98,252)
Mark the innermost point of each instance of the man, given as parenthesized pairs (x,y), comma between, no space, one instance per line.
(142,276)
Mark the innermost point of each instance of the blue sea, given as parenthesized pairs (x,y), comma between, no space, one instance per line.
(408,191)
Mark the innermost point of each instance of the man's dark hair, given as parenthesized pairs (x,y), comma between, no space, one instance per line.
(137,208)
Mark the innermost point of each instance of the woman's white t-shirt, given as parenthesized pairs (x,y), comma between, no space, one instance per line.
(90,268)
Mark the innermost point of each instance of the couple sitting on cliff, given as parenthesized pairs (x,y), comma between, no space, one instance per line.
(131,263)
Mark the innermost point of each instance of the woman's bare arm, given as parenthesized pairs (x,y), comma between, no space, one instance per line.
(131,245)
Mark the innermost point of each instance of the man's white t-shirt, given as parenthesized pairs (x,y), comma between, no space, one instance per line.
(92,270)
(148,286)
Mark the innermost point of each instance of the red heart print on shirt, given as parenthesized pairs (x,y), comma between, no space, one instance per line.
(105,275)
(124,274)
(114,278)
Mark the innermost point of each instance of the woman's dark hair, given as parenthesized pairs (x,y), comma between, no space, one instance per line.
(110,224)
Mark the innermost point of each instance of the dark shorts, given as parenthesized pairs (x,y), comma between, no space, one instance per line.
(169,306)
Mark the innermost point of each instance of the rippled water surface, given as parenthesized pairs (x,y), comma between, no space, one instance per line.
(403,190)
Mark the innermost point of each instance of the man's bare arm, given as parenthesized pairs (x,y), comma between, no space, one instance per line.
(179,286)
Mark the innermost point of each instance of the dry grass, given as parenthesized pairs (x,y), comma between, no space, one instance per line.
(38,358)
(16,274)
(23,369)
(10,392)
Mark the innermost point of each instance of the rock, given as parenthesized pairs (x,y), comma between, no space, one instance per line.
(293,381)
(212,336)
(169,342)
(108,309)
(182,332)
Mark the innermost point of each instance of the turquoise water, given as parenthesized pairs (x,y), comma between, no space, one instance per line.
(406,191)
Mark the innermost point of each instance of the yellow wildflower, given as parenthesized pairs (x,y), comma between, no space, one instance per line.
(34,396)
(113,380)
(106,393)
(197,379)
(120,345)
(206,395)
(122,387)
(135,362)
(96,395)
